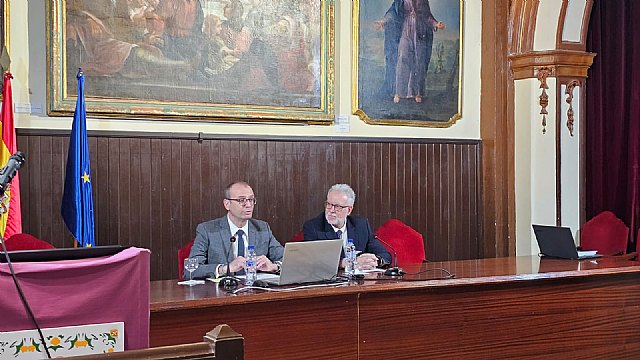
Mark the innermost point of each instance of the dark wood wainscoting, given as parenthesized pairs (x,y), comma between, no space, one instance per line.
(151,190)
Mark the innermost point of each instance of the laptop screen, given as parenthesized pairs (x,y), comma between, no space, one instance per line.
(310,261)
(555,241)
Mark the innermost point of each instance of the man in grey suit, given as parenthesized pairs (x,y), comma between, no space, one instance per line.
(225,240)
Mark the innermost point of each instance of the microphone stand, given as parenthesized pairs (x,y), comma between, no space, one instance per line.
(394,270)
(6,174)
(229,281)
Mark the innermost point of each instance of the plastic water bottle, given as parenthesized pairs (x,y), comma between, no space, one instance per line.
(350,255)
(250,270)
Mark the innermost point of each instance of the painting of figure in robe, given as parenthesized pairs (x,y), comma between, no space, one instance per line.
(408,60)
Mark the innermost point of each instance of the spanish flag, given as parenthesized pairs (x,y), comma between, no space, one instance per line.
(10,211)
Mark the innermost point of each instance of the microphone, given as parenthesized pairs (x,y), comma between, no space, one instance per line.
(229,281)
(394,270)
(10,170)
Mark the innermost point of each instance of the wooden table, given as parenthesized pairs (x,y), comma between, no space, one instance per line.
(519,307)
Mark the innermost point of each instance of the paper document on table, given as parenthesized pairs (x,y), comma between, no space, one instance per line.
(590,253)
(358,271)
(261,276)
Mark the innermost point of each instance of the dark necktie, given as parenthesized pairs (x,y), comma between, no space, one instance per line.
(240,236)
(339,234)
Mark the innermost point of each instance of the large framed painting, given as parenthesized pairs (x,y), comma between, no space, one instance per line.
(229,60)
(406,61)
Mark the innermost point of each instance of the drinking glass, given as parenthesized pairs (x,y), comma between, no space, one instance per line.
(191,264)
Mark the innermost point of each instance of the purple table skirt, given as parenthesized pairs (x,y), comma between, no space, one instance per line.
(78,292)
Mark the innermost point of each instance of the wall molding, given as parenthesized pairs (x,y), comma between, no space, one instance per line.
(568,63)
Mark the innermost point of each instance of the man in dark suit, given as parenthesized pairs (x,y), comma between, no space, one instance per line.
(336,222)
(213,246)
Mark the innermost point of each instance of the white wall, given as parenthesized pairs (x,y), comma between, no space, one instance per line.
(547,25)
(536,153)
(535,162)
(523,178)
(572,30)
(570,162)
(29,85)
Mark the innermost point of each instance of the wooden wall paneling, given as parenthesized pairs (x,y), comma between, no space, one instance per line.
(204,181)
(416,180)
(471,194)
(99,185)
(387,182)
(449,199)
(440,190)
(123,185)
(375,199)
(269,209)
(429,205)
(439,250)
(24,184)
(300,155)
(402,166)
(359,164)
(46,196)
(314,202)
(28,192)
(142,161)
(166,206)
(113,193)
(152,192)
(156,211)
(459,250)
(58,160)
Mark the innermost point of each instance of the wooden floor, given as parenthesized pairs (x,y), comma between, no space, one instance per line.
(524,307)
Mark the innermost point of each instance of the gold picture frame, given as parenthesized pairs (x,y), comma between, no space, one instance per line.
(427,73)
(225,60)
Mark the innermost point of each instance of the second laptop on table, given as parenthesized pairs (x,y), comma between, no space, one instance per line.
(557,241)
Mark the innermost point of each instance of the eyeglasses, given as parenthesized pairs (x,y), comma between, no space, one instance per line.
(244,201)
(329,206)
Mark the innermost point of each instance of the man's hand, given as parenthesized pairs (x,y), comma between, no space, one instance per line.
(237,264)
(264,264)
(367,261)
(440,25)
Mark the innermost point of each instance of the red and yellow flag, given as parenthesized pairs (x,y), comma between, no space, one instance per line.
(10,212)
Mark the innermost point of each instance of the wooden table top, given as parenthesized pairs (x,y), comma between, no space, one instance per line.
(167,295)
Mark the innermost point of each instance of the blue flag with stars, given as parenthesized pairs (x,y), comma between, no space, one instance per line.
(77,200)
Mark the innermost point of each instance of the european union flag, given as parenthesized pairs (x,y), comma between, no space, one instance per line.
(77,200)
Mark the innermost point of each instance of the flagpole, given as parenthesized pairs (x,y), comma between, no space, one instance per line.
(77,199)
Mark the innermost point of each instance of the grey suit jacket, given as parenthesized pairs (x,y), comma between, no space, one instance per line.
(212,246)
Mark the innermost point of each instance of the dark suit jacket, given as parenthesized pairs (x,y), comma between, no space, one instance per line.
(212,246)
(358,229)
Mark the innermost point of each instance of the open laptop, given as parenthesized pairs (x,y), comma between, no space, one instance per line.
(557,242)
(308,261)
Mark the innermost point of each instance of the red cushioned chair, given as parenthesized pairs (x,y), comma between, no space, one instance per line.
(26,242)
(297,237)
(183,254)
(606,233)
(407,242)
